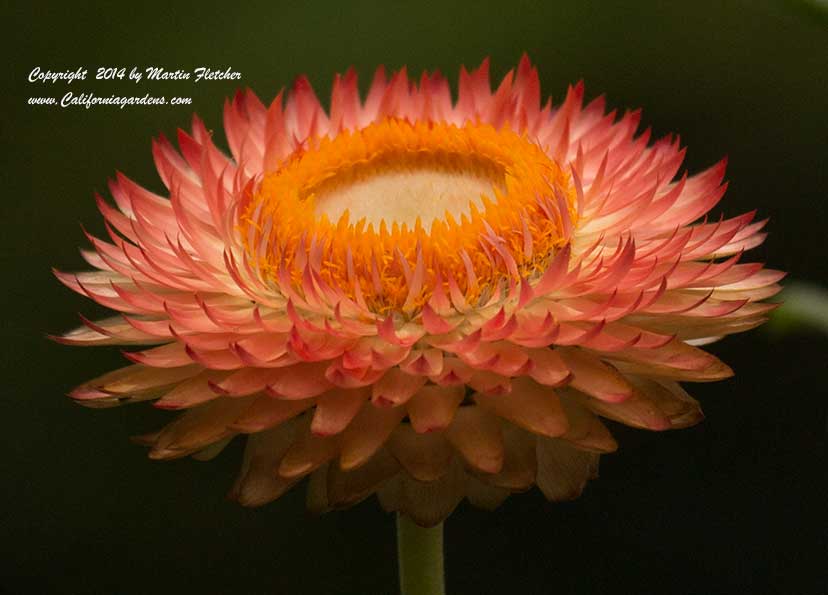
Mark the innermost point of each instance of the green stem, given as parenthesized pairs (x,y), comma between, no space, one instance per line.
(420,553)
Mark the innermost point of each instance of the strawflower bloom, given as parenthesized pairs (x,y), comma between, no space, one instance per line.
(425,299)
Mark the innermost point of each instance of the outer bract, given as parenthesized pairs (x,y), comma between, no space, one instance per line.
(417,297)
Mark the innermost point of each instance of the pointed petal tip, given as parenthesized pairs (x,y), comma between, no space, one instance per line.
(216,388)
(57,339)
(132,356)
(166,405)
(383,402)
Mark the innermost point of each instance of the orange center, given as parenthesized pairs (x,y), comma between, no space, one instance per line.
(387,212)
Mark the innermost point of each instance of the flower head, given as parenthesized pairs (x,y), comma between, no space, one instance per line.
(417,297)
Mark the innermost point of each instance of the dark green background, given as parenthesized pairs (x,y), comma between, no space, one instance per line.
(735,505)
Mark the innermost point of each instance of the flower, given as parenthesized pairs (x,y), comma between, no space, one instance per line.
(416,297)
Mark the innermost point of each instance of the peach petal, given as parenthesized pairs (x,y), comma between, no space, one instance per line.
(592,376)
(171,355)
(585,429)
(191,392)
(266,412)
(425,457)
(346,488)
(489,383)
(640,364)
(213,450)
(531,406)
(519,463)
(198,427)
(367,433)
(637,411)
(477,436)
(335,409)
(563,471)
(300,382)
(395,388)
(433,323)
(258,482)
(671,399)
(307,452)
(455,372)
(423,362)
(548,368)
(133,379)
(426,503)
(433,408)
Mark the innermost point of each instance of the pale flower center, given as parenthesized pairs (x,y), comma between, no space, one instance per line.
(402,188)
